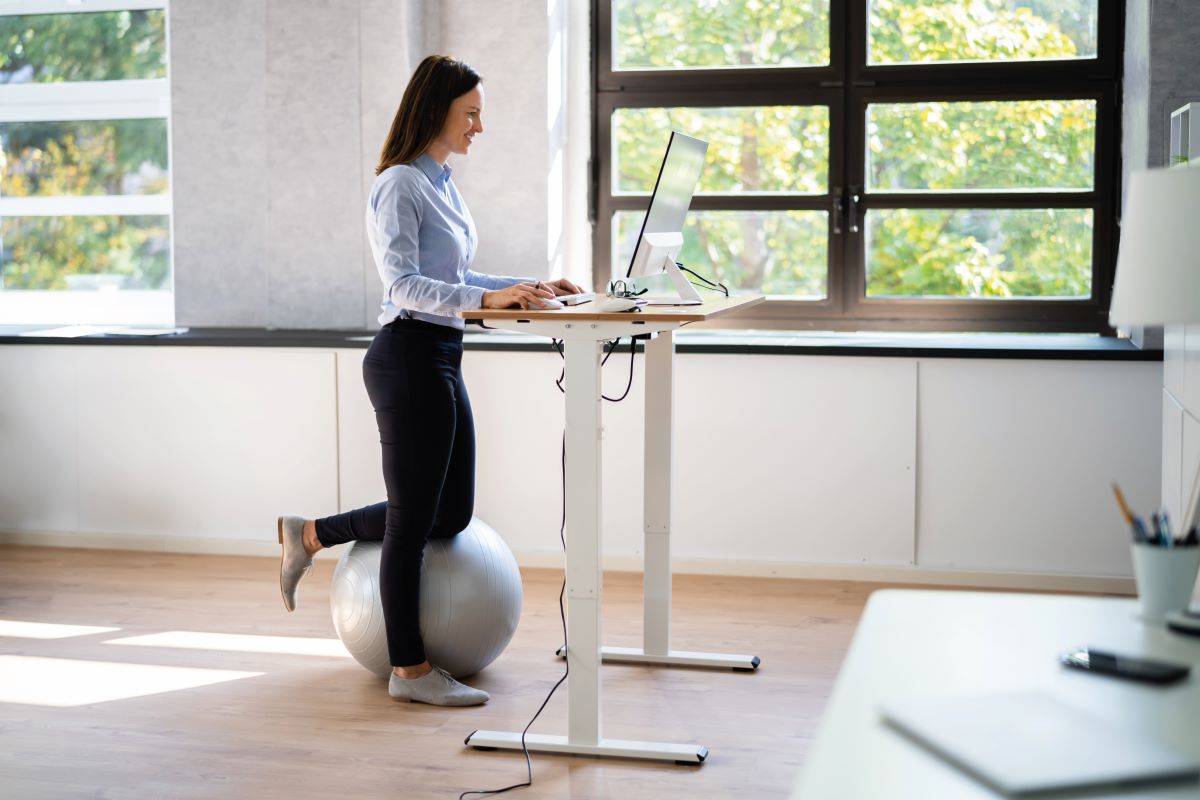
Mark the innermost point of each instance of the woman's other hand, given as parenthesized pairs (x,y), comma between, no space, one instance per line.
(520,295)
(562,286)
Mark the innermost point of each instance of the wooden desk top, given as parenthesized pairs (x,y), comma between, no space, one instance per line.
(586,312)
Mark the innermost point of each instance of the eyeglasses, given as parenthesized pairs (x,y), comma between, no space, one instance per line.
(620,288)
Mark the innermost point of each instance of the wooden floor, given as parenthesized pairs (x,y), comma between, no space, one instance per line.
(321,726)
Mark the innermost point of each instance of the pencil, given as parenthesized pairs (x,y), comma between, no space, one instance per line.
(1125,512)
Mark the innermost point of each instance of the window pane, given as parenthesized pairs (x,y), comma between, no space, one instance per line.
(682,34)
(759,150)
(921,31)
(974,252)
(99,46)
(1033,144)
(780,253)
(60,253)
(83,158)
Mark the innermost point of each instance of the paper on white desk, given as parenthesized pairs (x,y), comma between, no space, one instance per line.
(1022,742)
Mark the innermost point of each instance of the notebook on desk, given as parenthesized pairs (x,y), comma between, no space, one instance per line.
(1025,742)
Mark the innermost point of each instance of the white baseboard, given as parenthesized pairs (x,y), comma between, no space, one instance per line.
(866,573)
(870,573)
(268,546)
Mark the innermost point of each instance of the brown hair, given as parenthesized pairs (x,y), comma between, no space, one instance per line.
(437,82)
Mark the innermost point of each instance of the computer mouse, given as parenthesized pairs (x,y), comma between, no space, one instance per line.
(618,304)
(545,304)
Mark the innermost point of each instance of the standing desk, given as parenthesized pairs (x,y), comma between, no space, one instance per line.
(583,329)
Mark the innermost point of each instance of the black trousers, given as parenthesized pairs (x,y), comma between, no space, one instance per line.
(413,374)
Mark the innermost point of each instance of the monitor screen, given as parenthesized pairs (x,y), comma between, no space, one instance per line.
(677,178)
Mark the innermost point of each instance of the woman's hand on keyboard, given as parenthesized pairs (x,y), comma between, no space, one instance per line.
(520,295)
(562,286)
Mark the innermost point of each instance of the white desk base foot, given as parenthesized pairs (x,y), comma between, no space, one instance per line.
(676,658)
(616,748)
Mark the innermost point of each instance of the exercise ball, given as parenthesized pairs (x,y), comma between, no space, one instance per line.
(470,601)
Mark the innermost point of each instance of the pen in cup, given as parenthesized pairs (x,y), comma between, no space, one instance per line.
(1160,534)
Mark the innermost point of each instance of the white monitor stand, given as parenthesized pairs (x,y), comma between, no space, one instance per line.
(657,256)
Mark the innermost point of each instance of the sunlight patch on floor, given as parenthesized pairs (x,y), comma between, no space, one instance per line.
(66,682)
(241,643)
(47,630)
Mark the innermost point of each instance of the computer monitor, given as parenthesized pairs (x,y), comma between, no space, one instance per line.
(661,237)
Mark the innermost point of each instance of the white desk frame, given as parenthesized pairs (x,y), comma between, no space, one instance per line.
(583,341)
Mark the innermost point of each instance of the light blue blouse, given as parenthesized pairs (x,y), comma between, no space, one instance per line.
(423,240)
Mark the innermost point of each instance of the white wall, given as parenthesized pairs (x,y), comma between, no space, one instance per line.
(897,468)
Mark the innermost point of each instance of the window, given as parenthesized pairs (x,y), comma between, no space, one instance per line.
(85,203)
(874,164)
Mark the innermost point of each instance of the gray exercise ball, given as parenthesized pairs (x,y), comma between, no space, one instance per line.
(470,601)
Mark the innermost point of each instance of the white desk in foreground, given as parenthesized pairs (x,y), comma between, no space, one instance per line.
(583,330)
(931,643)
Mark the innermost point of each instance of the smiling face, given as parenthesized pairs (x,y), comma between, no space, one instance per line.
(463,121)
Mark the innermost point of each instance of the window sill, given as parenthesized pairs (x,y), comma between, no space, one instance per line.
(1057,346)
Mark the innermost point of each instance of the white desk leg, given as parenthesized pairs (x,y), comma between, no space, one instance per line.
(656,611)
(584,585)
(583,534)
(659,422)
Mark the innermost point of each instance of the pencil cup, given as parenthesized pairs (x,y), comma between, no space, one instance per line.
(1165,577)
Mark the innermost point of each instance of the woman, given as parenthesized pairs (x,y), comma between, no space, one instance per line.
(423,240)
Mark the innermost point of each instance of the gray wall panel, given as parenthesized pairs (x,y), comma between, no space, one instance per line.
(1162,73)
(218,160)
(279,110)
(505,178)
(394,40)
(316,241)
(1174,67)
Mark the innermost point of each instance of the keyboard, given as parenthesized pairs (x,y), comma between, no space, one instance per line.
(576,299)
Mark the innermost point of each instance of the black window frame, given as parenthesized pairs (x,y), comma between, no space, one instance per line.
(847,85)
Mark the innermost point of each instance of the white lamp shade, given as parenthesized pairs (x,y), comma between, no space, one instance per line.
(1158,265)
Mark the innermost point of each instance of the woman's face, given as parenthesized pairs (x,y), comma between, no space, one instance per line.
(463,121)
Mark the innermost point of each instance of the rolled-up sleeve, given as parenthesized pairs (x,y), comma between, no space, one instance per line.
(397,217)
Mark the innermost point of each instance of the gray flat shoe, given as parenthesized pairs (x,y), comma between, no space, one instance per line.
(436,688)
(296,562)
